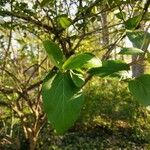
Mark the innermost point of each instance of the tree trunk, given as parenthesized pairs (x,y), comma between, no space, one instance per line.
(137,69)
(105,32)
(32,143)
(30,140)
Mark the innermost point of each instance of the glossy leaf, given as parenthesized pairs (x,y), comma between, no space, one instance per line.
(93,63)
(139,39)
(130,51)
(54,52)
(77,78)
(78,61)
(121,15)
(140,89)
(64,21)
(109,67)
(132,23)
(62,101)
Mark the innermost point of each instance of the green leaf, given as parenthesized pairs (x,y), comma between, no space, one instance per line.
(120,74)
(94,10)
(62,101)
(132,23)
(140,89)
(130,51)
(139,39)
(77,78)
(54,53)
(64,21)
(109,67)
(121,15)
(44,2)
(78,61)
(93,63)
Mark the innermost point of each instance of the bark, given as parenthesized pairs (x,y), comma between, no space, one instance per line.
(105,32)
(137,69)
(30,139)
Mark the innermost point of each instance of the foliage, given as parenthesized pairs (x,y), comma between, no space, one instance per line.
(140,88)
(84,60)
(81,39)
(124,124)
(63,112)
(54,53)
(130,51)
(109,67)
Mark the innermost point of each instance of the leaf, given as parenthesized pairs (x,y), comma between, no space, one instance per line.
(130,51)
(78,61)
(44,2)
(121,15)
(62,101)
(121,75)
(140,89)
(139,39)
(94,10)
(93,63)
(64,21)
(132,23)
(77,78)
(54,53)
(109,67)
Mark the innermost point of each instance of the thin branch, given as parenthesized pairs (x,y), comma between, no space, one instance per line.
(9,42)
(90,33)
(111,47)
(35,70)
(15,79)
(8,90)
(31,87)
(28,19)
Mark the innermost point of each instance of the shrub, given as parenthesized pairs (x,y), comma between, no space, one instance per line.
(109,104)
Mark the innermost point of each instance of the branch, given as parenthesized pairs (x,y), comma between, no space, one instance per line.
(28,19)
(145,9)
(36,69)
(108,52)
(7,91)
(84,35)
(34,85)
(146,6)
(15,79)
(9,44)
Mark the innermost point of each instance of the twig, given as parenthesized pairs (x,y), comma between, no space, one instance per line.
(28,19)
(9,43)
(35,71)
